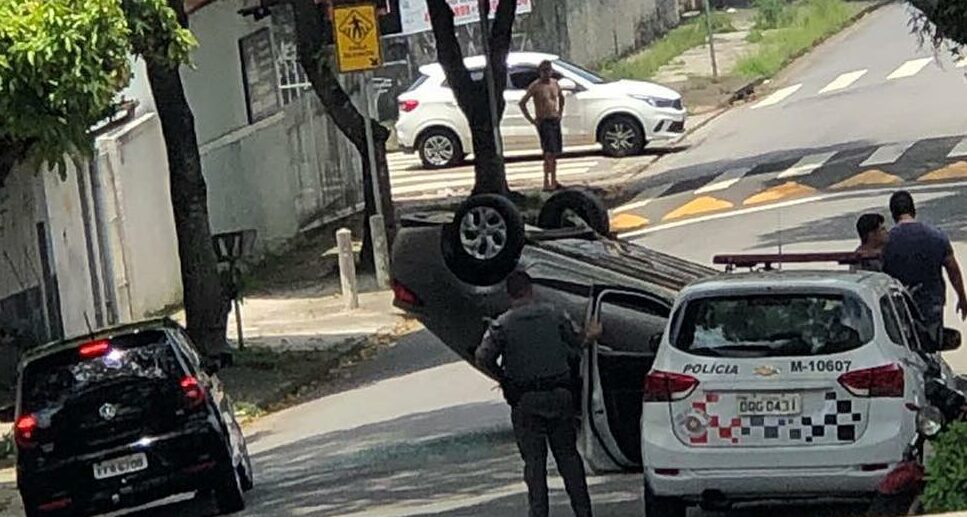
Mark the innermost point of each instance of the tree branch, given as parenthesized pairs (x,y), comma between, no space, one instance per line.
(448,49)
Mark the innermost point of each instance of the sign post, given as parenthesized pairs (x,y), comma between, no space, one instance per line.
(358,50)
(230,248)
(711,39)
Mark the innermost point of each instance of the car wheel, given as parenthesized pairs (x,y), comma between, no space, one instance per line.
(656,506)
(621,136)
(228,493)
(484,242)
(563,207)
(440,148)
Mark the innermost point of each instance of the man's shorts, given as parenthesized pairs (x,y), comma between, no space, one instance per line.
(549,129)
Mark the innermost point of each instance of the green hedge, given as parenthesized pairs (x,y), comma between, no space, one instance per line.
(946,489)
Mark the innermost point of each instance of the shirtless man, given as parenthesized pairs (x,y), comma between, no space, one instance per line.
(548,105)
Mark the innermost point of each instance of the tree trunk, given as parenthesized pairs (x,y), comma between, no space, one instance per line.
(311,33)
(206,306)
(490,174)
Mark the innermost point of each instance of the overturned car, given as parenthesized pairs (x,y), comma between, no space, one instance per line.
(448,271)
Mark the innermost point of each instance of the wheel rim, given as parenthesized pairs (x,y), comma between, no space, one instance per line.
(438,150)
(483,233)
(620,136)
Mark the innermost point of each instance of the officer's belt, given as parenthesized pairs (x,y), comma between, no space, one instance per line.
(546,384)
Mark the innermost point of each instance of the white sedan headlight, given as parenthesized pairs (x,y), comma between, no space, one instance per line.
(659,102)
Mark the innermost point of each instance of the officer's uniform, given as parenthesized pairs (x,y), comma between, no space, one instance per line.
(539,347)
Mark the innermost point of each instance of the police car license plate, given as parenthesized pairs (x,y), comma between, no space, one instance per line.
(758,404)
(120,466)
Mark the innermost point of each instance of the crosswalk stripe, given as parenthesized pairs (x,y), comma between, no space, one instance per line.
(911,67)
(725,180)
(646,198)
(468,182)
(887,154)
(807,165)
(778,96)
(843,81)
(960,149)
(511,173)
(511,168)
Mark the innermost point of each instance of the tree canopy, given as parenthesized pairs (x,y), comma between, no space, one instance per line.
(941,21)
(63,63)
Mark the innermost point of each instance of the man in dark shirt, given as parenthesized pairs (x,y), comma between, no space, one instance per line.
(915,255)
(538,346)
(873,238)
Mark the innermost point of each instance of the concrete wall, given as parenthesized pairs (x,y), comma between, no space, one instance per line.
(133,165)
(276,175)
(22,206)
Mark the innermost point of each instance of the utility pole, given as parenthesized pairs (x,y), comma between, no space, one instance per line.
(711,38)
(483,7)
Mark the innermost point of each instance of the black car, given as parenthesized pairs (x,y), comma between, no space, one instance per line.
(122,418)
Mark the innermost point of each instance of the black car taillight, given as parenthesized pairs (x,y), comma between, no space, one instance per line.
(193,391)
(404,295)
(24,430)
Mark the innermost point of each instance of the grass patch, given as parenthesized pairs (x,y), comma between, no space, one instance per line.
(644,64)
(808,23)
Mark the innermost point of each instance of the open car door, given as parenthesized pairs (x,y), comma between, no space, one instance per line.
(613,372)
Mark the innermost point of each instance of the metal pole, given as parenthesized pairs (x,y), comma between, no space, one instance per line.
(711,38)
(238,324)
(377,224)
(370,146)
(484,7)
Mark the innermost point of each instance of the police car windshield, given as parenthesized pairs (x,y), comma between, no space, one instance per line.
(770,325)
(53,380)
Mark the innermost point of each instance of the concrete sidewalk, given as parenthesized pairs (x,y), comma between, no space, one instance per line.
(317,322)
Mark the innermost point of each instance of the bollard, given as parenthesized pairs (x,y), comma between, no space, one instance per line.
(380,250)
(347,268)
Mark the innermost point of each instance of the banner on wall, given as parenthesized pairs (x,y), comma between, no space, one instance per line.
(414,16)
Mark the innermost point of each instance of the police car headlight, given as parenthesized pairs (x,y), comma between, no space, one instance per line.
(930,420)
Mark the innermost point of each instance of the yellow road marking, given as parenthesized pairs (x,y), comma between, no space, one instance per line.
(627,222)
(697,206)
(867,178)
(951,172)
(786,190)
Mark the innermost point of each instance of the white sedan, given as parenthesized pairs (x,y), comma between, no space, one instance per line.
(622,116)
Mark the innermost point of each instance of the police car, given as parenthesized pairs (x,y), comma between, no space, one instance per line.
(783,385)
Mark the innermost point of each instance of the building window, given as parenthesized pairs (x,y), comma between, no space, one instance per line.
(259,74)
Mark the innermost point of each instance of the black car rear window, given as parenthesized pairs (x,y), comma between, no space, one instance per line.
(52,379)
(770,325)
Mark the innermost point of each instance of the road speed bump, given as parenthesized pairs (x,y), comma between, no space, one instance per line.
(866,179)
(787,190)
(700,205)
(627,222)
(954,171)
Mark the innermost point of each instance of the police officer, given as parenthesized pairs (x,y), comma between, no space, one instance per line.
(539,348)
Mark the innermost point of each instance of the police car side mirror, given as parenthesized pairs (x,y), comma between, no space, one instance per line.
(568,85)
(950,340)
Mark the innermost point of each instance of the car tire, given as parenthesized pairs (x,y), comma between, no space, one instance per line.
(620,136)
(557,211)
(656,506)
(483,243)
(248,475)
(229,496)
(440,148)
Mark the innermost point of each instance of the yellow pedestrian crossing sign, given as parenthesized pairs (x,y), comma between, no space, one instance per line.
(357,37)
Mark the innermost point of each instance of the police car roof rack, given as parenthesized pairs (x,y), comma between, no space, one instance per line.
(766,260)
